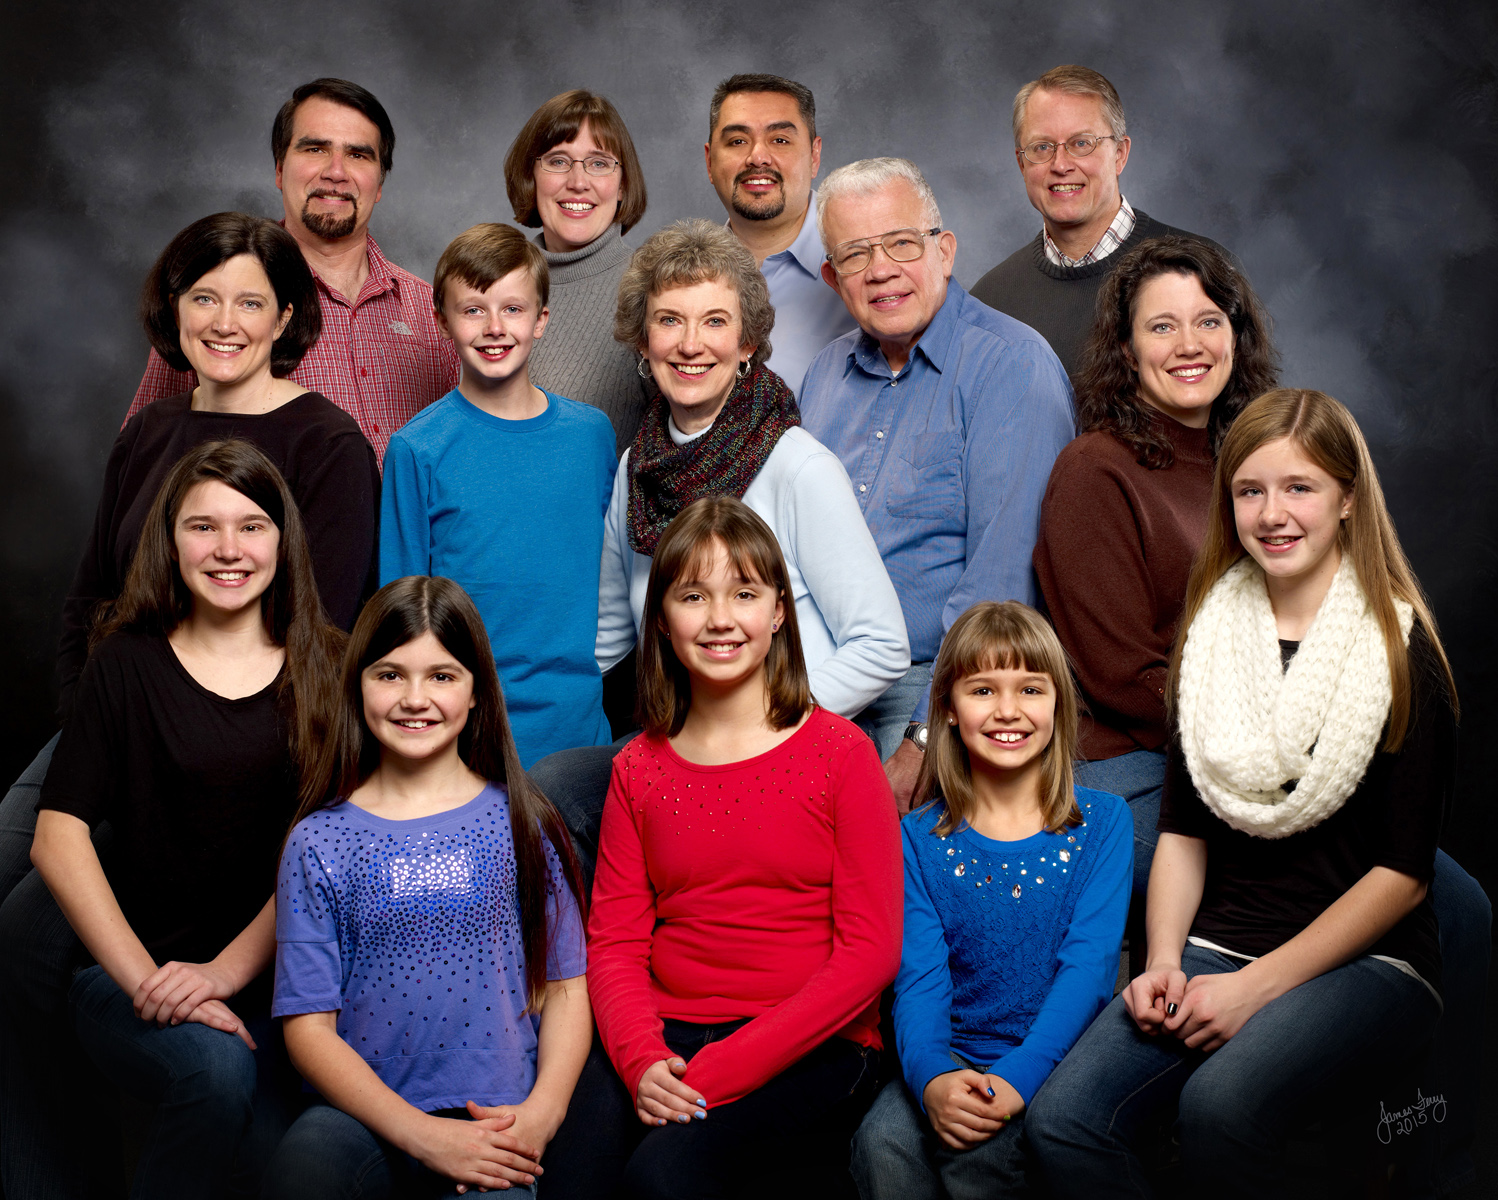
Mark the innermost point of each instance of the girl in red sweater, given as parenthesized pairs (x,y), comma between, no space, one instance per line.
(746,910)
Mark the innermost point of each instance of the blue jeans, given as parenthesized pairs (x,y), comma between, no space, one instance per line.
(887,719)
(1236,1106)
(328,1155)
(1139,777)
(18,819)
(792,1132)
(897,1156)
(202,1081)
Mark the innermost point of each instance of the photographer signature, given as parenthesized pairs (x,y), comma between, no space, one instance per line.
(1407,1120)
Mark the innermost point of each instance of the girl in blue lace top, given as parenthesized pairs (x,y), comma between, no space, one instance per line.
(1016,888)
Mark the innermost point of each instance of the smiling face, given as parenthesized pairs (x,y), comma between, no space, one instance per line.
(577,208)
(892,301)
(492,330)
(1182,347)
(1076,195)
(1005,717)
(1289,514)
(720,623)
(417,699)
(694,344)
(761,159)
(330,177)
(226,548)
(228,323)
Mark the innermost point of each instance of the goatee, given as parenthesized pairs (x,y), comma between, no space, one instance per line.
(329,226)
(767,209)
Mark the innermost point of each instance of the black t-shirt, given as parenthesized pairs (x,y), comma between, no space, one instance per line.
(1261,892)
(317,447)
(200,791)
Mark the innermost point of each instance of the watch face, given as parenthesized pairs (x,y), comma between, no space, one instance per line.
(921,735)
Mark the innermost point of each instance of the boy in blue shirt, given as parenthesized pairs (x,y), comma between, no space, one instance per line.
(502,487)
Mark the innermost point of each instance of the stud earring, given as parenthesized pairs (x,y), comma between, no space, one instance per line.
(951,720)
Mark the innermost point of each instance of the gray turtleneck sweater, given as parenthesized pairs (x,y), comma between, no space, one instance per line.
(577,357)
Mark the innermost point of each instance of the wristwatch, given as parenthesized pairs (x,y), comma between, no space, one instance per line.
(916,732)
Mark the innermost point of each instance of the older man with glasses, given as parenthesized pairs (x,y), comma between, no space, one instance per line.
(1071,145)
(947,416)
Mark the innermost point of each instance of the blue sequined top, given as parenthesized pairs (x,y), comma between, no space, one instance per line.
(410,931)
(1010,948)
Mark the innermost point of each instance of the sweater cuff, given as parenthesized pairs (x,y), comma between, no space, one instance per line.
(922,1069)
(1024,1071)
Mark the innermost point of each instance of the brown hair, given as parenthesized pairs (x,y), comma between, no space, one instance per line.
(339,91)
(1074,81)
(399,612)
(806,104)
(998,636)
(691,252)
(686,549)
(207,244)
(558,121)
(1323,430)
(155,599)
(1108,381)
(484,253)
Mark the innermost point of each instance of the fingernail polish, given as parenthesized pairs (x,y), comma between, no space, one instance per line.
(701,1102)
(683,1118)
(990,1091)
(1170,1009)
(700,1115)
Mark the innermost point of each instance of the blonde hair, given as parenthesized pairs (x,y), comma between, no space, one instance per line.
(1004,636)
(1327,434)
(1074,81)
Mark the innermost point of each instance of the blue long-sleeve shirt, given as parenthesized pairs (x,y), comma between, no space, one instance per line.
(1010,948)
(513,511)
(949,459)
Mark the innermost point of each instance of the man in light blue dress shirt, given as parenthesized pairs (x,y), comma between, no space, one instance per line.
(762,154)
(947,416)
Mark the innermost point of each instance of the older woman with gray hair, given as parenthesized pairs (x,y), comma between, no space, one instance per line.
(695,308)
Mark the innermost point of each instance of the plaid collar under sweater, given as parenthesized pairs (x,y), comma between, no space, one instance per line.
(1113,237)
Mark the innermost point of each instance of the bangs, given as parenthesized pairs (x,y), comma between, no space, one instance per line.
(746,562)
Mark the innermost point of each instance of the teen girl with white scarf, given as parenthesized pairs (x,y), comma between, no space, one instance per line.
(1291,939)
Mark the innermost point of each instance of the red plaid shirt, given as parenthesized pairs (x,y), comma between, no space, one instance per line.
(380,359)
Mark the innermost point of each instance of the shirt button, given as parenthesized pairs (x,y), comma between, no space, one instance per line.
(878,433)
(363,371)
(892,382)
(862,487)
(376,428)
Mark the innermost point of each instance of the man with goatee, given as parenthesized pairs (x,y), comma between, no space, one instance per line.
(762,154)
(379,357)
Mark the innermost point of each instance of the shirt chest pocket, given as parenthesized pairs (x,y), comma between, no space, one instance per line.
(928,477)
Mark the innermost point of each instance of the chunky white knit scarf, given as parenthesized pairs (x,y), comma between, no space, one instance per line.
(1248,727)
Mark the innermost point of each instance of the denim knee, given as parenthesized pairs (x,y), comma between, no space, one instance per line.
(327,1155)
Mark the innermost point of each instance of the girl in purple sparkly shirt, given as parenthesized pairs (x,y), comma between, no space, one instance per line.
(1016,886)
(430,950)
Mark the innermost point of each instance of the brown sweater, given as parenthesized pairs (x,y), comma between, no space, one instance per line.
(1113,557)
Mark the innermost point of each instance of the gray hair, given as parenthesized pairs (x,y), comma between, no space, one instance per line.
(870,175)
(691,252)
(1074,81)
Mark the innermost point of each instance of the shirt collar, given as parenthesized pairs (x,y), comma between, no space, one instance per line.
(806,250)
(1114,236)
(934,345)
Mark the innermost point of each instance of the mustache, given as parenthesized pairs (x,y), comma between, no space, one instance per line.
(765,172)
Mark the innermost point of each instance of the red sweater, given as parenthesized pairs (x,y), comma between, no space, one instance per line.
(768,888)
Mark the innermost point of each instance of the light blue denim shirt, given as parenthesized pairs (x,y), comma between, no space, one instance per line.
(949,459)
(808,313)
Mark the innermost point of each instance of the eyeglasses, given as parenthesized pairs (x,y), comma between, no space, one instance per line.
(900,245)
(561,164)
(1080,146)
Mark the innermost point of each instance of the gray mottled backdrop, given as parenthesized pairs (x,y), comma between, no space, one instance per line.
(1344,150)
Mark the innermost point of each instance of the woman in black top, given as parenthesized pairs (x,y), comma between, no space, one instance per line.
(1290,932)
(210,681)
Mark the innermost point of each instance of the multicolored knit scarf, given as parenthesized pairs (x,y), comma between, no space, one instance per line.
(664,477)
